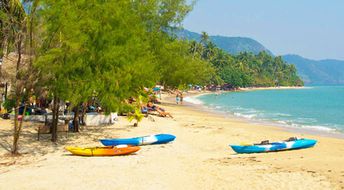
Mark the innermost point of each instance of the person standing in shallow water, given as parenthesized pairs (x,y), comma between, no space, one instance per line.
(177,98)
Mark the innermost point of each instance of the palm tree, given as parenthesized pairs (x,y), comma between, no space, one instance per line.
(210,51)
(196,48)
(12,15)
(15,24)
(204,38)
(193,48)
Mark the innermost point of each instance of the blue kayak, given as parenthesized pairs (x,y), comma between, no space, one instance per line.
(290,144)
(145,140)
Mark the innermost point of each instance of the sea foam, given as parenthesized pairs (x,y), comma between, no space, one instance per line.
(317,108)
(193,100)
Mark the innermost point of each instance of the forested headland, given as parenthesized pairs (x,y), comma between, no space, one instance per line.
(245,69)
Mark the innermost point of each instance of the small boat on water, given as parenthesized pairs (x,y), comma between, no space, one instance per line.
(265,146)
(103,151)
(145,140)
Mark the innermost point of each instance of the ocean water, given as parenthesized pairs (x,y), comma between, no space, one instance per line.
(316,108)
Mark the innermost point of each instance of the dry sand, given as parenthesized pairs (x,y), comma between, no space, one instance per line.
(199,158)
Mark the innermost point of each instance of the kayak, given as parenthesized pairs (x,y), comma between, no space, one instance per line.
(103,151)
(145,140)
(265,146)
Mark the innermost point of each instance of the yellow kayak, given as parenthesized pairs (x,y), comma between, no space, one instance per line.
(103,151)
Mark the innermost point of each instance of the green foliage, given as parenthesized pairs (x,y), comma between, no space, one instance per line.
(9,104)
(12,24)
(137,115)
(180,67)
(113,48)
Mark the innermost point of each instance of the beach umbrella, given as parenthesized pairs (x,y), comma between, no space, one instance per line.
(156,89)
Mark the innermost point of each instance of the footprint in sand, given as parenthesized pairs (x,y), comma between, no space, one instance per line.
(7,163)
(238,160)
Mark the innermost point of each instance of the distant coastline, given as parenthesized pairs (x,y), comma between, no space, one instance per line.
(195,93)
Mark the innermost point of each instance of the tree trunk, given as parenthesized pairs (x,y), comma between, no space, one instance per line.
(15,132)
(55,119)
(6,91)
(17,127)
(31,41)
(76,119)
(84,109)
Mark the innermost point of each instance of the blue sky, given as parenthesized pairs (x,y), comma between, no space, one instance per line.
(310,28)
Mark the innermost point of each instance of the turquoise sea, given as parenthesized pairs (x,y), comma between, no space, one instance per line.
(315,107)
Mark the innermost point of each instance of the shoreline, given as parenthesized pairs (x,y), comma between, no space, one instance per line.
(199,158)
(274,88)
(329,132)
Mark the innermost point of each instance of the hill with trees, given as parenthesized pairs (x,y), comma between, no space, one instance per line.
(232,45)
(245,69)
(328,71)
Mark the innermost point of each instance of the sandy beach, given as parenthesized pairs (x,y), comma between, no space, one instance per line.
(199,158)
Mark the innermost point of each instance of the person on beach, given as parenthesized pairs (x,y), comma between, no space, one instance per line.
(161,111)
(177,98)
